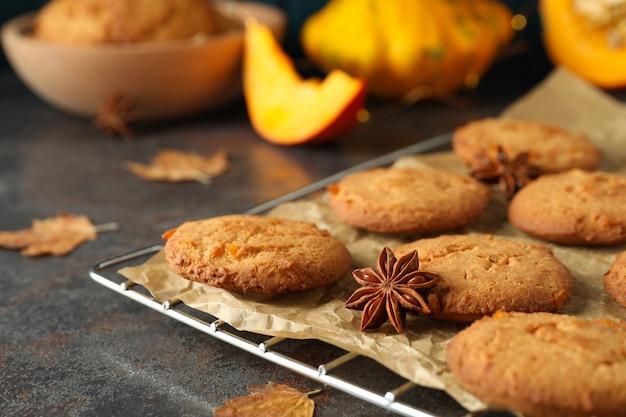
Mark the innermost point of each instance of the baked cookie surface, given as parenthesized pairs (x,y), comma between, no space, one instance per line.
(552,148)
(85,22)
(408,200)
(615,279)
(481,274)
(543,364)
(256,254)
(575,207)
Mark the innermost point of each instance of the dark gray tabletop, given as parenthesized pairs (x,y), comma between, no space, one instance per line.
(71,347)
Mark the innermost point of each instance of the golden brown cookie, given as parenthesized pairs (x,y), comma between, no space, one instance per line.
(482,274)
(615,279)
(256,254)
(552,148)
(124,21)
(408,200)
(575,207)
(543,364)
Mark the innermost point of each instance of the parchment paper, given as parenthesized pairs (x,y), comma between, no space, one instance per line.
(418,354)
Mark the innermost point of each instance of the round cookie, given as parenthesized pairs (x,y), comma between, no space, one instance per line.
(94,22)
(543,364)
(575,207)
(615,279)
(408,200)
(552,148)
(481,274)
(256,254)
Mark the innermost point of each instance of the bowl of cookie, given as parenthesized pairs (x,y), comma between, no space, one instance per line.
(160,58)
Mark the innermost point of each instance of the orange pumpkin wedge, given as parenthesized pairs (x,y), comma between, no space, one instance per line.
(286,109)
(575,41)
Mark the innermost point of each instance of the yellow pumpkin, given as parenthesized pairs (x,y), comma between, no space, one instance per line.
(588,37)
(404,46)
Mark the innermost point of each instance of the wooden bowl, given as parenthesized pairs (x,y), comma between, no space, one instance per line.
(159,80)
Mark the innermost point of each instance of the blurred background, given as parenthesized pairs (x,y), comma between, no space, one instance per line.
(298,10)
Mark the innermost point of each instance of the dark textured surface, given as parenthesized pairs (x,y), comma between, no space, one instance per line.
(71,347)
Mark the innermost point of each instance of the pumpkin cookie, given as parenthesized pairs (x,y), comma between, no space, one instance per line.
(575,207)
(615,279)
(481,274)
(543,364)
(256,254)
(94,22)
(408,200)
(551,148)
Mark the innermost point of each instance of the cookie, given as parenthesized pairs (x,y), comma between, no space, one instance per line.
(482,274)
(92,22)
(256,254)
(575,207)
(552,148)
(543,364)
(408,200)
(615,279)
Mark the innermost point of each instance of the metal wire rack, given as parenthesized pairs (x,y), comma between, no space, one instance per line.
(102,273)
(105,273)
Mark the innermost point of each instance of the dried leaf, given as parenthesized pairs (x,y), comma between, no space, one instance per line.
(175,166)
(114,116)
(270,400)
(56,235)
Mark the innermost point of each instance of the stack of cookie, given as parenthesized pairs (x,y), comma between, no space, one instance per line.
(516,351)
(550,364)
(554,192)
(96,22)
(571,202)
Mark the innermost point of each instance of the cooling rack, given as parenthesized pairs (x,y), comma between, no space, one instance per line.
(105,273)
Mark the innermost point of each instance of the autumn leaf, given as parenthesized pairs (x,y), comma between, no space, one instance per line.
(56,235)
(175,166)
(114,115)
(270,400)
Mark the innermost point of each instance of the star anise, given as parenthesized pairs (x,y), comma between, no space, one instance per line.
(114,116)
(511,175)
(387,293)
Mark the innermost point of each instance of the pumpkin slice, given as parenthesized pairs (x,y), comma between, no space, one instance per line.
(588,41)
(286,109)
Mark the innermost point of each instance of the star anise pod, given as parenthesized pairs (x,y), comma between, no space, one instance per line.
(114,116)
(511,175)
(387,293)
